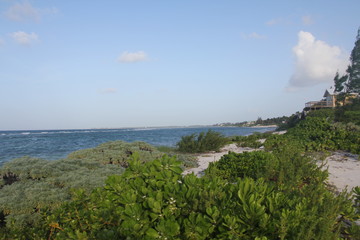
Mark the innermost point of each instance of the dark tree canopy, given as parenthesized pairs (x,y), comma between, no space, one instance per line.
(354,67)
(350,82)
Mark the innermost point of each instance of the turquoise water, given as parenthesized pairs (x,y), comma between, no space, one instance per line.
(56,144)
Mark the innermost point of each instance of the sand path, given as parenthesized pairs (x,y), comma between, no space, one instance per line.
(344,168)
(206,158)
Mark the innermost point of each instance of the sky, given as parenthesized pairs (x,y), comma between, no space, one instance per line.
(113,64)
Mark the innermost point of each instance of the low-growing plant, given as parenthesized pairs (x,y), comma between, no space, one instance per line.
(256,164)
(202,142)
(154,201)
(318,134)
(253,141)
(188,160)
(117,152)
(40,184)
(326,113)
(349,112)
(30,185)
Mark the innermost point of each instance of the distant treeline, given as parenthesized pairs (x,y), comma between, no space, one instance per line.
(264,122)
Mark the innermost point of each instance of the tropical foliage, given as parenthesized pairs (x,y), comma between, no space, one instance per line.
(254,140)
(29,186)
(154,201)
(202,142)
(318,134)
(349,83)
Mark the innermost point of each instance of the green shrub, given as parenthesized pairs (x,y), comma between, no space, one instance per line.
(154,201)
(255,165)
(318,134)
(349,112)
(188,160)
(291,122)
(252,141)
(117,152)
(326,113)
(202,142)
(40,184)
(30,185)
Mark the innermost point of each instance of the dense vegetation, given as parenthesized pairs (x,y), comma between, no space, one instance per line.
(349,83)
(316,134)
(29,186)
(202,142)
(253,141)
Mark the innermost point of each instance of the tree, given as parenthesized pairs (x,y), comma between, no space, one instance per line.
(354,68)
(341,87)
(349,82)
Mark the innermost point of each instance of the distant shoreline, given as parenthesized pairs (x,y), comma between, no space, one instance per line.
(264,126)
(120,128)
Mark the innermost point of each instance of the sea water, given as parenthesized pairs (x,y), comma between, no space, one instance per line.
(57,144)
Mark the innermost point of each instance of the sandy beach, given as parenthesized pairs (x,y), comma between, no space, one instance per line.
(206,158)
(344,168)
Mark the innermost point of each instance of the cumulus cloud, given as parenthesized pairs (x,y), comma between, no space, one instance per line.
(253,35)
(24,38)
(131,57)
(307,20)
(108,90)
(315,62)
(22,12)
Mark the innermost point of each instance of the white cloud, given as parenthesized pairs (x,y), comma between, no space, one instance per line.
(22,12)
(108,90)
(307,20)
(274,21)
(130,57)
(253,35)
(315,62)
(24,38)
(2,42)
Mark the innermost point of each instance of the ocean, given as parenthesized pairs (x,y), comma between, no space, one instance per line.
(57,144)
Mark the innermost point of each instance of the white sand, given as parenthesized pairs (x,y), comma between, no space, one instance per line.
(344,168)
(206,158)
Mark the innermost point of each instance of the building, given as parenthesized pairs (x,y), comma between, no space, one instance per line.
(328,101)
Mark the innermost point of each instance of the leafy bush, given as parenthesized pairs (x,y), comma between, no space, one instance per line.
(117,152)
(318,134)
(326,113)
(30,185)
(255,164)
(40,184)
(202,142)
(252,141)
(188,160)
(290,122)
(154,201)
(349,112)
(284,167)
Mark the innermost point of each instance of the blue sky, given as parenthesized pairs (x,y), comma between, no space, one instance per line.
(108,64)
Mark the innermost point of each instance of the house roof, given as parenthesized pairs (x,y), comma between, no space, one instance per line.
(327,93)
